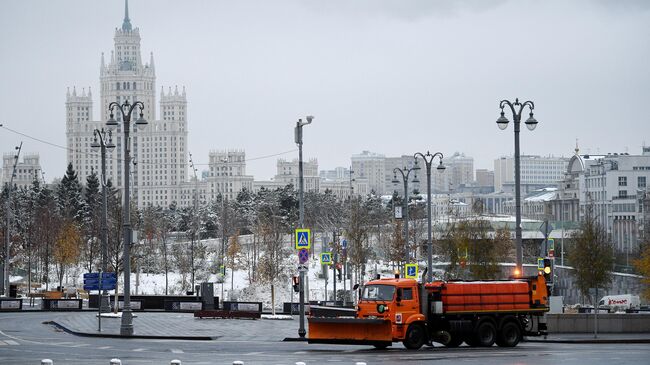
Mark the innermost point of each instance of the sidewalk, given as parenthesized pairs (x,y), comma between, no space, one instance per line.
(589,338)
(177,326)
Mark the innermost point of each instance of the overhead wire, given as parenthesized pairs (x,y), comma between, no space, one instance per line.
(97,154)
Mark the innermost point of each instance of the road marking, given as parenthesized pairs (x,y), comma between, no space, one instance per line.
(104,347)
(139,350)
(2,343)
(12,342)
(253,353)
(177,351)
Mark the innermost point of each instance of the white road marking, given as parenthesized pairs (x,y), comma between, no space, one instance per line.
(177,351)
(139,350)
(12,342)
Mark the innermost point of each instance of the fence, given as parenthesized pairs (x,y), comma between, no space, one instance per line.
(177,362)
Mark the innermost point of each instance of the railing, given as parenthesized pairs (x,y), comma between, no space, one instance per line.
(178,362)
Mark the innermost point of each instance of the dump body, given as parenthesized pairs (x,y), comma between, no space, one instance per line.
(477,312)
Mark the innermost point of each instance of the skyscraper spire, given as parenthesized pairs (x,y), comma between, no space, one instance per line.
(126,24)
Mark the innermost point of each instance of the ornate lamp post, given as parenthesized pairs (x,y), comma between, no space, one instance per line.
(298,139)
(126,109)
(102,143)
(517,108)
(404,173)
(428,159)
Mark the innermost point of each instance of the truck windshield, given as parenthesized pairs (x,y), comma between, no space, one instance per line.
(378,292)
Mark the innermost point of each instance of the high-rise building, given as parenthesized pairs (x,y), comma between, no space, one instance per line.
(536,172)
(484,178)
(228,174)
(370,166)
(159,151)
(287,173)
(26,170)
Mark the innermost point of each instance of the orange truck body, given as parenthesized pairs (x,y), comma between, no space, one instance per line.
(477,312)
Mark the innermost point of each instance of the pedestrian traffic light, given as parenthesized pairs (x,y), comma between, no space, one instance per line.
(296,284)
(548,270)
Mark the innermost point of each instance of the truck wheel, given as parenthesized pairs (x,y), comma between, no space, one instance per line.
(509,336)
(455,341)
(415,337)
(486,334)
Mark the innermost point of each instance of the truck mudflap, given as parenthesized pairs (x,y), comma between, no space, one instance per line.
(350,331)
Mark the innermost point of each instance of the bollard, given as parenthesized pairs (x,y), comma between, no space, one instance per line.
(175,362)
(238,362)
(46,362)
(116,362)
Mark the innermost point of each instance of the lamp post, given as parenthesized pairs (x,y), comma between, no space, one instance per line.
(224,206)
(126,109)
(5,267)
(428,159)
(194,223)
(517,108)
(301,205)
(404,173)
(100,141)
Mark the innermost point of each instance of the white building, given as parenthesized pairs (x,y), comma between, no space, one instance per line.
(227,174)
(159,151)
(287,173)
(536,172)
(371,166)
(459,172)
(26,170)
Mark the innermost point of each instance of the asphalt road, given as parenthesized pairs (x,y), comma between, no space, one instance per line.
(24,339)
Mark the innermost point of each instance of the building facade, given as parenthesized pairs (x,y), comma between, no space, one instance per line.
(159,151)
(371,167)
(536,172)
(26,170)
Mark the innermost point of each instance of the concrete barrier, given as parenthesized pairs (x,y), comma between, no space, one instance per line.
(607,323)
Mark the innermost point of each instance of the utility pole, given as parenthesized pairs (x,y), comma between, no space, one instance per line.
(5,268)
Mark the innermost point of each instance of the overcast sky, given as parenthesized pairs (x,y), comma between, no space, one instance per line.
(389,76)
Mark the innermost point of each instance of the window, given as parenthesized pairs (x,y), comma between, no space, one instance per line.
(622,181)
(641,182)
(407,293)
(622,193)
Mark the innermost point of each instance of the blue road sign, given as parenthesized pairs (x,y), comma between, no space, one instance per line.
(92,282)
(326,258)
(303,256)
(411,271)
(303,239)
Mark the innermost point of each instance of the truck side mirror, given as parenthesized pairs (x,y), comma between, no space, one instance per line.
(355,287)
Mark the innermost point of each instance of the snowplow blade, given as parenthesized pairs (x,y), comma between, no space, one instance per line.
(350,331)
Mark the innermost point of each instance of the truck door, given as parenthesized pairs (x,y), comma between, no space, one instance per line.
(408,302)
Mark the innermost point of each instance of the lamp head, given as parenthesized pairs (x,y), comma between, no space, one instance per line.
(502,122)
(309,118)
(441,167)
(395,181)
(531,122)
(416,180)
(141,122)
(95,143)
(111,123)
(110,146)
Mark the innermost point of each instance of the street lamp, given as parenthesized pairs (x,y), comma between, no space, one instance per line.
(5,266)
(517,108)
(405,172)
(428,159)
(301,205)
(126,109)
(100,141)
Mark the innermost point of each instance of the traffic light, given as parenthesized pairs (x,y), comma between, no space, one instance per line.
(548,270)
(296,284)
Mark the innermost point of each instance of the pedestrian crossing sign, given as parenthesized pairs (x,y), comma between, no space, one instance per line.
(326,258)
(411,271)
(303,238)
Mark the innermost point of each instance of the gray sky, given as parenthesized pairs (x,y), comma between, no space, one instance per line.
(390,76)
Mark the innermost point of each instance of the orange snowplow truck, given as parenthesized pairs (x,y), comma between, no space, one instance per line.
(480,313)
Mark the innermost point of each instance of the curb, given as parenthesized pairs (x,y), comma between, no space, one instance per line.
(149,337)
(593,340)
(295,339)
